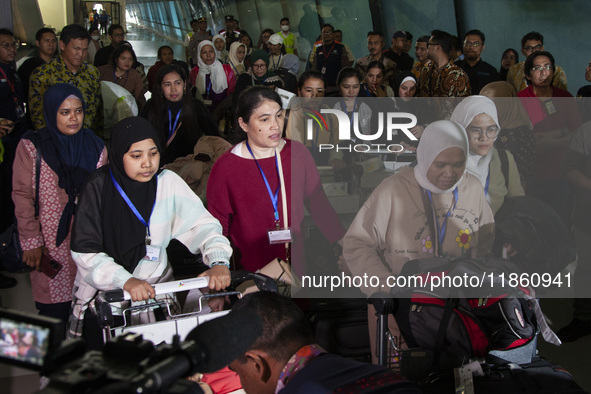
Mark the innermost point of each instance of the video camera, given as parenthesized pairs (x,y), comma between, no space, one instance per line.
(127,364)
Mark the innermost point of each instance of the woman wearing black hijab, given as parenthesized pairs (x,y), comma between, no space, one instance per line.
(69,154)
(128,212)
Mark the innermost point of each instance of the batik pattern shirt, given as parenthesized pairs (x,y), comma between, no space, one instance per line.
(449,81)
(87,79)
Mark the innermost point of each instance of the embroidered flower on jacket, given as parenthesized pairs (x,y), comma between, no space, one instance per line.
(463,239)
(427,244)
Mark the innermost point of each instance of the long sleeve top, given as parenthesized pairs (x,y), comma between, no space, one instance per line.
(238,197)
(391,228)
(42,231)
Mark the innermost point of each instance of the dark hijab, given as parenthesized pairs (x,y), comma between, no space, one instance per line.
(71,157)
(124,236)
(259,54)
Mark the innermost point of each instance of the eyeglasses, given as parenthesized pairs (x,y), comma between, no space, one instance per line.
(475,132)
(118,34)
(259,66)
(534,48)
(431,43)
(546,67)
(8,46)
(474,44)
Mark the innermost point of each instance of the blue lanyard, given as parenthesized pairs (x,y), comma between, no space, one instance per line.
(171,127)
(347,112)
(274,198)
(234,67)
(486,184)
(208,88)
(441,230)
(276,65)
(366,90)
(132,207)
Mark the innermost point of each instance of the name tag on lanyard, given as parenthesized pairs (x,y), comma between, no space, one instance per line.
(279,236)
(152,253)
(276,235)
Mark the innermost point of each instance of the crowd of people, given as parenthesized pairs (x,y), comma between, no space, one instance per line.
(109,207)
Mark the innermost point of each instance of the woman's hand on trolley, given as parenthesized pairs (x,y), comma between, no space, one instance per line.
(219,277)
(140,290)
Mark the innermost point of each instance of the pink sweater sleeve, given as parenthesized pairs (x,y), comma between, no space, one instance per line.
(23,195)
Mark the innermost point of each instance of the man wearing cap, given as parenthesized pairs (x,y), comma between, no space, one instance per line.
(375,46)
(396,52)
(230,33)
(276,51)
(192,39)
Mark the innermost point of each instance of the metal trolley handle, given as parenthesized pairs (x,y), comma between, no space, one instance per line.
(106,297)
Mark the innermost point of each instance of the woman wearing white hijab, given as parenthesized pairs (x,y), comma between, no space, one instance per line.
(219,44)
(478,115)
(393,228)
(236,57)
(214,80)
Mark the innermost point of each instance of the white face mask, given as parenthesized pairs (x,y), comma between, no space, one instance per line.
(285,28)
(96,38)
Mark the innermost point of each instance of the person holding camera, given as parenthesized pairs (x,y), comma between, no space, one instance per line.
(68,153)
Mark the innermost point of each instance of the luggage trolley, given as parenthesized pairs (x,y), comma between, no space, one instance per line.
(175,324)
(388,347)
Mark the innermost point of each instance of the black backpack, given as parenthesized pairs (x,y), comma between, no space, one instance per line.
(534,229)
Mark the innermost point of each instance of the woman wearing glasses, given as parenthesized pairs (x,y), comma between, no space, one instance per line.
(554,115)
(257,74)
(478,115)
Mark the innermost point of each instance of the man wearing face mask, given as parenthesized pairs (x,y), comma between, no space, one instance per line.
(289,39)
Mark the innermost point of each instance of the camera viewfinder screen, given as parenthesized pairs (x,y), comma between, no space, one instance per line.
(24,342)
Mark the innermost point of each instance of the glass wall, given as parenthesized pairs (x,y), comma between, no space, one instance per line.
(416,17)
(503,21)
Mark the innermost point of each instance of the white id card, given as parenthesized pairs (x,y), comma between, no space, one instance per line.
(550,108)
(152,253)
(279,236)
(207,102)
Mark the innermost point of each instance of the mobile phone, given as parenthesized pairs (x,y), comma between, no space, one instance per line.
(49,267)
